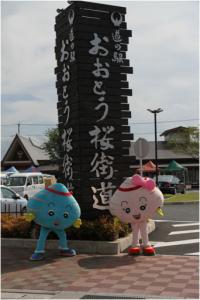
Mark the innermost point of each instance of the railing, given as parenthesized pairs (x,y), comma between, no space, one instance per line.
(12,209)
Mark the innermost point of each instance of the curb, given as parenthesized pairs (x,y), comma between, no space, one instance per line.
(81,246)
(36,294)
(27,294)
(182,203)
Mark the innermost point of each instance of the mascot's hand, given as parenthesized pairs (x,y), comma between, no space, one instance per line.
(160,212)
(29,217)
(77,223)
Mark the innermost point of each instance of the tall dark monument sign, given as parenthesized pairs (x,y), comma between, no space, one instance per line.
(93,110)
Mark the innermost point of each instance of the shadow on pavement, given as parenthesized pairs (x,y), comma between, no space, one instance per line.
(13,260)
(106,262)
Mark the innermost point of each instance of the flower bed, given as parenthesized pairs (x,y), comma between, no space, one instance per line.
(106,228)
(12,226)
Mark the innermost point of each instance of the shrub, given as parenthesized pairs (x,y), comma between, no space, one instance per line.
(106,228)
(12,226)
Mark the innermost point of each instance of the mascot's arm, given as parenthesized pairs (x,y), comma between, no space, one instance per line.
(160,212)
(77,223)
(30,216)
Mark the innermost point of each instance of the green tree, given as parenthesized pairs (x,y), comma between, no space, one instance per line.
(187,143)
(53,144)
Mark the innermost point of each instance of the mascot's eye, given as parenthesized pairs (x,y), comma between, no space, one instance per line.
(51,213)
(66,215)
(127,210)
(142,207)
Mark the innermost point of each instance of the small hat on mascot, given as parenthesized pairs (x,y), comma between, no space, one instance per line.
(135,182)
(57,190)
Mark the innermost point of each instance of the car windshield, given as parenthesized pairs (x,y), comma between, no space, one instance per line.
(168,178)
(6,193)
(17,181)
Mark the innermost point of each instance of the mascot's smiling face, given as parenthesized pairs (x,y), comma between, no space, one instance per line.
(54,207)
(136,200)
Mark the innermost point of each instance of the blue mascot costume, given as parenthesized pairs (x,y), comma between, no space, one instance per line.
(55,209)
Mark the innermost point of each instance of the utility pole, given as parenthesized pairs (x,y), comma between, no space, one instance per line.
(18,128)
(155,112)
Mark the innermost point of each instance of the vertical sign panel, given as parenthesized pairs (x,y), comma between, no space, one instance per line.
(91,44)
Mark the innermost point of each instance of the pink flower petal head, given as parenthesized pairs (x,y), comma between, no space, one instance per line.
(146,183)
(137,180)
(150,184)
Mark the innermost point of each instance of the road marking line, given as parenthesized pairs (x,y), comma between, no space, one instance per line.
(174,243)
(195,253)
(183,225)
(175,221)
(184,231)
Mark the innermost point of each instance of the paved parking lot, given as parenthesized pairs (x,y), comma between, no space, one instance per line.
(163,276)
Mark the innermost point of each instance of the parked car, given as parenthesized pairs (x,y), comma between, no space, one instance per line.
(26,184)
(11,202)
(170,184)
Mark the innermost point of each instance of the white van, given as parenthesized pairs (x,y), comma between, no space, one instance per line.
(27,184)
(4,178)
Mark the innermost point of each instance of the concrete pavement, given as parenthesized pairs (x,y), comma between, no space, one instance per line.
(26,294)
(84,276)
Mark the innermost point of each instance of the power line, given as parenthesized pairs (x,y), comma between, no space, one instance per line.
(141,123)
(136,123)
(25,135)
(43,135)
(30,124)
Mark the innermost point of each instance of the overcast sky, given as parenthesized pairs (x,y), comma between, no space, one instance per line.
(163,52)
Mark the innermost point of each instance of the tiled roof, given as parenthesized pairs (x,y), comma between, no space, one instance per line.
(176,129)
(35,152)
(163,153)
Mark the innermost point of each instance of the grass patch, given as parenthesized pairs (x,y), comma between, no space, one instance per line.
(190,196)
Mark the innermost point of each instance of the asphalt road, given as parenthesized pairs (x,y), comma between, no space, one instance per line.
(180,212)
(177,233)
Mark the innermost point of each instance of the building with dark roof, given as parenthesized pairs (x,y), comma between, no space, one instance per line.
(178,134)
(171,132)
(165,156)
(24,153)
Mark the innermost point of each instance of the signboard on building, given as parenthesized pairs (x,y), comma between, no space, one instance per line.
(93,110)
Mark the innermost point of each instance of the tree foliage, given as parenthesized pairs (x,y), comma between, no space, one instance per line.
(188,143)
(53,144)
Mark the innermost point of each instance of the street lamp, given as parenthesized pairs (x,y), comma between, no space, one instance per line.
(155,112)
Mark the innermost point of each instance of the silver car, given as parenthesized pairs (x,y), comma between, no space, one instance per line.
(11,202)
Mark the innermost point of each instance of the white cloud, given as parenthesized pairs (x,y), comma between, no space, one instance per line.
(32,111)
(28,48)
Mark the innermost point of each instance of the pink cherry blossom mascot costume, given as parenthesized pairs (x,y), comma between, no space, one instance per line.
(134,202)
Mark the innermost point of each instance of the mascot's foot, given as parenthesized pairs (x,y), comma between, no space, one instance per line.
(37,256)
(149,251)
(134,251)
(68,252)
